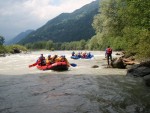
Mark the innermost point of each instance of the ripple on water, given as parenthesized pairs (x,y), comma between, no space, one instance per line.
(118,94)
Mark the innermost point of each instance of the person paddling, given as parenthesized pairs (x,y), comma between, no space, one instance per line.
(41,61)
(54,59)
(49,60)
(108,55)
(64,59)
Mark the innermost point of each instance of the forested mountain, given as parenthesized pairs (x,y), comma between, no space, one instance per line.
(19,37)
(67,26)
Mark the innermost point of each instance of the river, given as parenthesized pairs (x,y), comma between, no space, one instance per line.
(81,89)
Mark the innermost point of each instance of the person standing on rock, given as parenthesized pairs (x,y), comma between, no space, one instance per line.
(108,55)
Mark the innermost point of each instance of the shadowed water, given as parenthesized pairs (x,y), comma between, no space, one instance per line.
(81,89)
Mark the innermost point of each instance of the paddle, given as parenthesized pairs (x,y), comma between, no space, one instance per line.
(73,64)
(33,65)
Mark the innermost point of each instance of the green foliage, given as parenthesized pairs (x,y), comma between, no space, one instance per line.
(20,47)
(131,36)
(37,45)
(144,45)
(93,43)
(28,45)
(137,13)
(124,25)
(108,21)
(10,49)
(2,49)
(2,39)
(81,45)
(119,43)
(49,45)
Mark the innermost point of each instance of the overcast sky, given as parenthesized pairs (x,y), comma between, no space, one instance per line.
(17,16)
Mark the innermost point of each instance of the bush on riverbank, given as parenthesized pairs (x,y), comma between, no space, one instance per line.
(11,49)
(2,49)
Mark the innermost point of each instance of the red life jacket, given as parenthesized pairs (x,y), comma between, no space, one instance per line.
(109,51)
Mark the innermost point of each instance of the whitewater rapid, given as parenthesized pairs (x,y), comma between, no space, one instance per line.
(17,64)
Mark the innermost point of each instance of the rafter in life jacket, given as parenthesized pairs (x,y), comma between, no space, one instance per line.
(108,50)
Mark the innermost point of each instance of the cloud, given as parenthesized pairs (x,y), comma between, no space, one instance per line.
(20,15)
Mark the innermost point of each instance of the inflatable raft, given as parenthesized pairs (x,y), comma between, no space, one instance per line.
(58,66)
(74,57)
(87,57)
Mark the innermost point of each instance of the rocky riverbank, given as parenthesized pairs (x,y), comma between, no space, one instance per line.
(141,70)
(134,68)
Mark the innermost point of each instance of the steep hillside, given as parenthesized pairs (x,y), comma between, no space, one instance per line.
(67,26)
(19,37)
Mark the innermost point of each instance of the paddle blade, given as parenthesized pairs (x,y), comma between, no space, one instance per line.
(73,64)
(32,65)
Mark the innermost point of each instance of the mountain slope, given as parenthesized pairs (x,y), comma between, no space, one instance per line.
(19,37)
(67,26)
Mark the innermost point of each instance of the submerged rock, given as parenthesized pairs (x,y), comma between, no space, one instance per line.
(95,66)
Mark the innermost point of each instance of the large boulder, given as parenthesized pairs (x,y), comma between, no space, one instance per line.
(141,70)
(2,55)
(146,63)
(16,50)
(138,71)
(118,63)
(147,80)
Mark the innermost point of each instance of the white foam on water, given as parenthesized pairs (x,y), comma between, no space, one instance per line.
(18,63)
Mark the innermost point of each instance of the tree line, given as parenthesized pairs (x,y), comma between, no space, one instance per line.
(50,45)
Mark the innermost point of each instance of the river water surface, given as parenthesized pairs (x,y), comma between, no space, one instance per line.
(81,89)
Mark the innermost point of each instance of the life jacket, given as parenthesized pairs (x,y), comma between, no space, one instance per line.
(65,60)
(109,51)
(55,59)
(42,61)
(73,53)
(48,61)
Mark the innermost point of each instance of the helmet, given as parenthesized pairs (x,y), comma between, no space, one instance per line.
(63,56)
(49,55)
